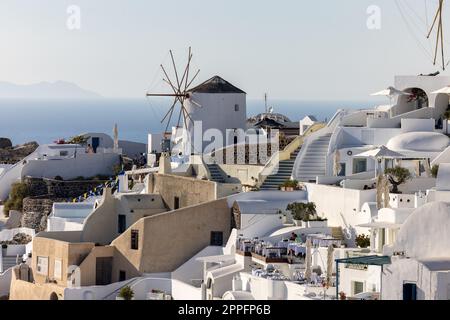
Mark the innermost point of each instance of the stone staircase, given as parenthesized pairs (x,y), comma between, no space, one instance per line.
(216,173)
(9,261)
(313,163)
(284,173)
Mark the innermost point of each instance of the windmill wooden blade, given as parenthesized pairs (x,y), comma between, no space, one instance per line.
(175,69)
(195,76)
(169,111)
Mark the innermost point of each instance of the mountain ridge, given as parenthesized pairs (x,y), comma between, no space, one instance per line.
(45,90)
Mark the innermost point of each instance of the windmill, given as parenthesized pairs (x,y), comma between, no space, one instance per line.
(180,87)
(417,22)
(440,34)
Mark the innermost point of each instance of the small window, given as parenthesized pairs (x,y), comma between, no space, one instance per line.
(216,238)
(359,165)
(236,107)
(57,272)
(122,275)
(64,153)
(42,265)
(176,203)
(134,239)
(358,287)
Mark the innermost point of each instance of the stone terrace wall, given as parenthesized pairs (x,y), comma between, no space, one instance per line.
(36,210)
(59,188)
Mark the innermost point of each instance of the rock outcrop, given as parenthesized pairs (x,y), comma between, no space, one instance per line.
(5,143)
(12,155)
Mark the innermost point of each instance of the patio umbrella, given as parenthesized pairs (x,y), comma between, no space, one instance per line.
(308,271)
(337,162)
(330,261)
(445,90)
(116,137)
(390,92)
(381,152)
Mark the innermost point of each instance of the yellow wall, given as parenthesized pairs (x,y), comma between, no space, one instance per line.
(168,240)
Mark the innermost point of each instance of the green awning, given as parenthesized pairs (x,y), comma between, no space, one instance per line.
(367,260)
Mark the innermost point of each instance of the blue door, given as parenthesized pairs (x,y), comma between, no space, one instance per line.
(409,291)
(95,143)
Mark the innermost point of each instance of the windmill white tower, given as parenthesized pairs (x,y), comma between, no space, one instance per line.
(214,104)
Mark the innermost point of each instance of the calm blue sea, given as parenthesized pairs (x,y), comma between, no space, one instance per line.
(47,121)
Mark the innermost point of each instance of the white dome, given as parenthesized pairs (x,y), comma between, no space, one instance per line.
(419,141)
(426,232)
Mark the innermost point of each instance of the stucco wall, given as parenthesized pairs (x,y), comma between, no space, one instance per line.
(68,253)
(190,191)
(342,207)
(169,239)
(403,271)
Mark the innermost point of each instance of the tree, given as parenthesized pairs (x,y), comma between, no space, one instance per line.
(397,176)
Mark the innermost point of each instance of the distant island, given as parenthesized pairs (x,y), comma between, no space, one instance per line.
(45,90)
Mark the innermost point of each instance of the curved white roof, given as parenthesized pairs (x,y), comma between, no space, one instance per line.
(225,271)
(419,141)
(426,232)
(237,295)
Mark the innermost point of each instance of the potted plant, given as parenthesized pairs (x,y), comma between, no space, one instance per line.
(397,176)
(289,185)
(126,293)
(362,241)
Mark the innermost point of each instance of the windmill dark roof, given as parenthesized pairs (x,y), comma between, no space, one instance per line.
(216,85)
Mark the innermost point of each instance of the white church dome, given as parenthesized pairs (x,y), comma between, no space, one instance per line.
(419,141)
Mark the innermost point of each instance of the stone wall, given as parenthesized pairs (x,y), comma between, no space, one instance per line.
(36,210)
(59,188)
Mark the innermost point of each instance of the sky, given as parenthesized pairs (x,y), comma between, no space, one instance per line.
(291,49)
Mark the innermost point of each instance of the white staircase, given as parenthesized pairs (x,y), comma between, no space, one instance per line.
(314,163)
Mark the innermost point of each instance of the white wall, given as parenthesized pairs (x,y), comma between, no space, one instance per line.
(217,111)
(342,207)
(86,165)
(407,270)
(5,282)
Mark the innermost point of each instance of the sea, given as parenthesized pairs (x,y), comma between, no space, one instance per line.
(45,121)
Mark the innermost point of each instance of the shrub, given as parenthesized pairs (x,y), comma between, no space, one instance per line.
(362,241)
(82,140)
(290,184)
(126,293)
(435,170)
(19,191)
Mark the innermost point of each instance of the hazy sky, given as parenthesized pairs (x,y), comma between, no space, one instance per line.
(293,49)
